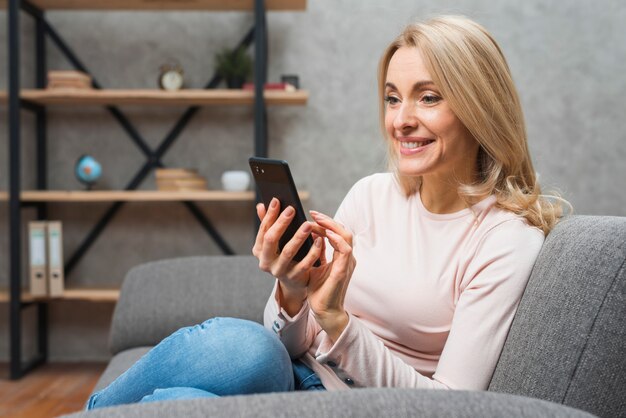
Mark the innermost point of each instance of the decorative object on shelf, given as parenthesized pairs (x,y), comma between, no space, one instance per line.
(171,77)
(87,170)
(179,179)
(292,79)
(234,66)
(271,86)
(235,180)
(68,80)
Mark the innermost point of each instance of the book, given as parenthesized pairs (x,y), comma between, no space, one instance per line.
(38,258)
(179,179)
(68,80)
(55,259)
(182,184)
(271,86)
(175,173)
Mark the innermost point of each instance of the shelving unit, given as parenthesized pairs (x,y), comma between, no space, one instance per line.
(215,5)
(135,196)
(158,97)
(86,295)
(37,100)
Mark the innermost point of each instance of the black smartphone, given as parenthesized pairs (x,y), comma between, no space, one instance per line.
(273,179)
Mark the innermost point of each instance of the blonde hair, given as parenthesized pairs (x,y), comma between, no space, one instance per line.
(468,67)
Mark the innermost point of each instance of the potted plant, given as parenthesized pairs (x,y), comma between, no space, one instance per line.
(234,66)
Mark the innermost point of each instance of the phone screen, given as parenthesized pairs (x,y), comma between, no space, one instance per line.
(273,179)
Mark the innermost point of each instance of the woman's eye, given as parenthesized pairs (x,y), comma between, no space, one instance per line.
(392,100)
(430,99)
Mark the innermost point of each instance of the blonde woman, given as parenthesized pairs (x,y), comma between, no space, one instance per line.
(427,264)
(422,268)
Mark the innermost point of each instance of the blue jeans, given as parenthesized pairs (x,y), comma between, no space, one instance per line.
(220,357)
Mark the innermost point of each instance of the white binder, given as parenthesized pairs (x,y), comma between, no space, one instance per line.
(55,259)
(38,258)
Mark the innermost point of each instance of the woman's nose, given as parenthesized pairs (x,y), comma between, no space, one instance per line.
(406,117)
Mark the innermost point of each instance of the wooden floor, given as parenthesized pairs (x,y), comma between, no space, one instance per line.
(48,391)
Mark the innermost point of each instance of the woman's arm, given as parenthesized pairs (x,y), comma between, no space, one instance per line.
(296,332)
(287,311)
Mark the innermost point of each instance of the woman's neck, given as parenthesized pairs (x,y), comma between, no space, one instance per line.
(440,195)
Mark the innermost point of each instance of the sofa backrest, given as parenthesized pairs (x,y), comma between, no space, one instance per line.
(160,297)
(567,343)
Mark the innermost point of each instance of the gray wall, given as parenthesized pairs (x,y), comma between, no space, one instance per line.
(568,59)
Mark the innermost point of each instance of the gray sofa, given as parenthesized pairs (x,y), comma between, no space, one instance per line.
(565,355)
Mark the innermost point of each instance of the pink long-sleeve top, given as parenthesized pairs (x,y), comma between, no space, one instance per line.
(431,299)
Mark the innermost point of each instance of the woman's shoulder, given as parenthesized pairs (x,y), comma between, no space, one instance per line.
(506,226)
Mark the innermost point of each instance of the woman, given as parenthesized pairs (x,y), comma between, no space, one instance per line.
(422,268)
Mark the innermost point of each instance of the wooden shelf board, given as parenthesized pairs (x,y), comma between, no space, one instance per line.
(198,97)
(89,295)
(217,5)
(135,196)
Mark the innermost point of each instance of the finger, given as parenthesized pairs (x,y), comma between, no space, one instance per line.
(267,219)
(330,224)
(318,229)
(338,243)
(260,211)
(311,257)
(275,232)
(342,257)
(315,236)
(271,214)
(285,260)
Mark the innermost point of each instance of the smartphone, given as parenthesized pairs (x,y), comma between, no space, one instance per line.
(273,179)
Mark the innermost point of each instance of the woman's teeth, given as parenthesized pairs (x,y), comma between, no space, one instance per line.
(412,145)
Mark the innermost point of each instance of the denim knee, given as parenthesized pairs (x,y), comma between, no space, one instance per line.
(223,356)
(252,351)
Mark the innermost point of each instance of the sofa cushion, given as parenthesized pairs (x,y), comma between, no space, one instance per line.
(160,297)
(568,338)
(357,403)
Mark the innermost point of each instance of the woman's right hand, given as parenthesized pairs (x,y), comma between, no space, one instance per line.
(293,276)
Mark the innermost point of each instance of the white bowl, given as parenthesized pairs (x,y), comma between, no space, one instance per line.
(235,180)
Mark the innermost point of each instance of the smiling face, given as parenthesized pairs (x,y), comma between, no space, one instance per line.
(427,138)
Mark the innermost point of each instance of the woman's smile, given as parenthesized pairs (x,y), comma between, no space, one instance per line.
(413,145)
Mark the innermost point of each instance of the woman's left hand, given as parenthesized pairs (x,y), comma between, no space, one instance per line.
(328,283)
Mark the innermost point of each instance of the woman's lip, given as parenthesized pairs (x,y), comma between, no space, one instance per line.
(413,151)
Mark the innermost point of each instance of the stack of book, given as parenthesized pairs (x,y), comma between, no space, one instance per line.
(68,80)
(179,179)
(272,86)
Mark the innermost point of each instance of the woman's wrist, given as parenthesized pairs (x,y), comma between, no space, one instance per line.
(291,300)
(333,324)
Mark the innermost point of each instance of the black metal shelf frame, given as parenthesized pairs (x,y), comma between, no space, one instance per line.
(257,34)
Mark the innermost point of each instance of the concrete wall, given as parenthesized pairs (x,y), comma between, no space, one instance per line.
(567,59)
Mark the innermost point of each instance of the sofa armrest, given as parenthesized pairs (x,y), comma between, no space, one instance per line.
(568,338)
(357,403)
(160,297)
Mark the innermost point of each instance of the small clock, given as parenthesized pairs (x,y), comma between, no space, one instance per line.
(171,77)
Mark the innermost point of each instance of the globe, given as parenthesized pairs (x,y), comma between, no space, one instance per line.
(87,170)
